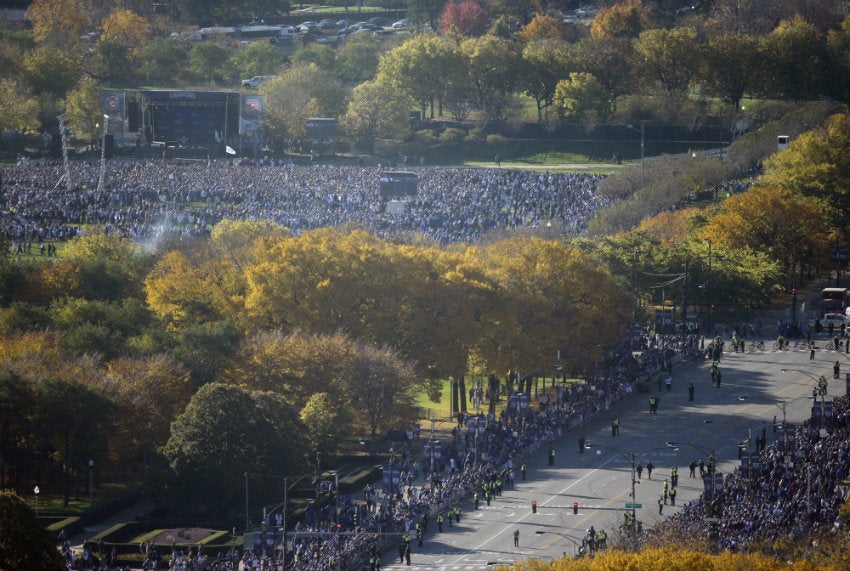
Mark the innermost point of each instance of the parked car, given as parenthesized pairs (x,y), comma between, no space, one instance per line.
(327,24)
(837,320)
(378,21)
(400,24)
(256,81)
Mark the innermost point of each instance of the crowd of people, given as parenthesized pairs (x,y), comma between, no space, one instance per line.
(478,463)
(788,491)
(146,200)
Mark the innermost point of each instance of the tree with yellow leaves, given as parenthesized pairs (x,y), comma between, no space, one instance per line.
(770,219)
(127,29)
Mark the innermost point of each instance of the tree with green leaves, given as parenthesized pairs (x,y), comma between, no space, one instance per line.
(298,93)
(495,67)
(609,60)
(669,58)
(75,421)
(376,109)
(210,61)
(795,55)
(730,66)
(324,421)
(258,58)
(17,403)
(24,541)
(420,67)
(545,64)
(18,108)
(582,98)
(163,60)
(224,432)
(357,58)
(50,70)
(83,113)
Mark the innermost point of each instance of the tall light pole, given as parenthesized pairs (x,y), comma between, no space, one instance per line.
(91,481)
(36,492)
(569,538)
(708,281)
(820,381)
(634,283)
(642,156)
(632,457)
(103,155)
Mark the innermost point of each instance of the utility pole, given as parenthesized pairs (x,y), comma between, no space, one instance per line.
(685,308)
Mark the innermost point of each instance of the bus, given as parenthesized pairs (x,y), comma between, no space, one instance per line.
(834,300)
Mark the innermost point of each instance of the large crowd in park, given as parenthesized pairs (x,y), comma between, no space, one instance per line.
(146,200)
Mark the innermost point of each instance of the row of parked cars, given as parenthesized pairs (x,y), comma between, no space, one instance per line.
(344,27)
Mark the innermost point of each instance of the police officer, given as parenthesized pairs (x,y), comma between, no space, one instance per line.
(440,520)
(522,469)
(615,426)
(551,456)
(673,496)
(475,497)
(674,477)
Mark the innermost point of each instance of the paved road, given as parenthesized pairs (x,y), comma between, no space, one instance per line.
(599,480)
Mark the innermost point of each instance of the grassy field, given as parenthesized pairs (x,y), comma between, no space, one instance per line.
(441,410)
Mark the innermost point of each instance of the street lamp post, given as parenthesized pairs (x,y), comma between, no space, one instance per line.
(36,492)
(91,481)
(820,381)
(708,281)
(103,155)
(569,538)
(632,457)
(634,281)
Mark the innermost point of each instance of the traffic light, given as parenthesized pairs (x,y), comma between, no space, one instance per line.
(575,508)
(533,507)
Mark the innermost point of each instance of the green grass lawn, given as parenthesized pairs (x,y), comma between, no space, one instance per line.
(442,409)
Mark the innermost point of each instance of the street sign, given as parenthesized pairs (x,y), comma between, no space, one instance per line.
(633,506)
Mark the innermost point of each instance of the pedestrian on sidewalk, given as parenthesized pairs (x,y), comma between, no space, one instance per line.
(668,382)
(649,468)
(690,391)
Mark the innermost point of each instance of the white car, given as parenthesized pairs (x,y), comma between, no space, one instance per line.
(837,320)
(400,24)
(256,81)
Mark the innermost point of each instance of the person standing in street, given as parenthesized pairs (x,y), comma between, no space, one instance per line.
(615,426)
(690,391)
(649,468)
(551,456)
(668,382)
(516,538)
(581,444)
(661,505)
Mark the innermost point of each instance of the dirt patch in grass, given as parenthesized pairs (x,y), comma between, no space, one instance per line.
(183,535)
